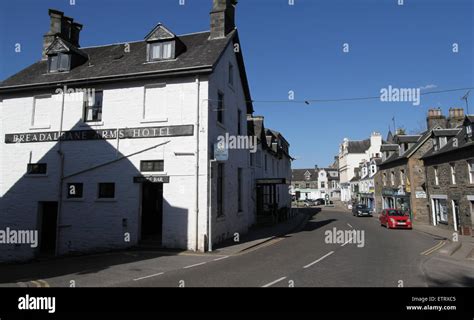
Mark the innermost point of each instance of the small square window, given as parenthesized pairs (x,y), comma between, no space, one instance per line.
(74,190)
(106,190)
(36,168)
(152,165)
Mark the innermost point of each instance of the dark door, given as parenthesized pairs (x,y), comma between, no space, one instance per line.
(48,216)
(152,210)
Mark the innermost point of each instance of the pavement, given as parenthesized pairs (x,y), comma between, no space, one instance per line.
(305,251)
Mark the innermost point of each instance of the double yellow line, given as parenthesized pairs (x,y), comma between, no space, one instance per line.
(433,249)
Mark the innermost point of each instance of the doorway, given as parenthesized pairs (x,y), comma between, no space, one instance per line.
(152,211)
(48,231)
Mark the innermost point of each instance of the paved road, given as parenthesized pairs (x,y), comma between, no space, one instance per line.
(388,258)
(305,259)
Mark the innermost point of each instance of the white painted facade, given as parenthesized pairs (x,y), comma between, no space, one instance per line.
(349,160)
(90,224)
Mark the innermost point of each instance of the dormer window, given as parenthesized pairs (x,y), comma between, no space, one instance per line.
(161,50)
(162,44)
(442,142)
(59,62)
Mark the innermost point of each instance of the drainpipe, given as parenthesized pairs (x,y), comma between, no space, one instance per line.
(198,86)
(209,206)
(61,174)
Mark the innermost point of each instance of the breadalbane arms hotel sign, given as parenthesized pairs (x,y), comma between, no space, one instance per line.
(101,134)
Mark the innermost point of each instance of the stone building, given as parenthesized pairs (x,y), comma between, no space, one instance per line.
(401,180)
(450,177)
(315,183)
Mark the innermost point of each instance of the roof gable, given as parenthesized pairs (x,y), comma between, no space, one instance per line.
(159,32)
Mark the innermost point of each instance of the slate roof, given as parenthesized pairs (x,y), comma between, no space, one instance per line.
(111,61)
(407,138)
(298,175)
(389,147)
(446,132)
(417,143)
(358,146)
(462,141)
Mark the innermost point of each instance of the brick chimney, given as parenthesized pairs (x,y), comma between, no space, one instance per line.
(222,18)
(61,26)
(435,118)
(456,117)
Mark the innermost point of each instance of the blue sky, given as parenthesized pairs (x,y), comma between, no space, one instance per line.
(296,48)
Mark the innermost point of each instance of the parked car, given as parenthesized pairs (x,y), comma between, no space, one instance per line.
(394,218)
(309,202)
(361,210)
(319,201)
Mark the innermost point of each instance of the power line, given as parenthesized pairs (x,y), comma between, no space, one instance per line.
(309,101)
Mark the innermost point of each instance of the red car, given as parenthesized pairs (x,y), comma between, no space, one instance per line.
(394,218)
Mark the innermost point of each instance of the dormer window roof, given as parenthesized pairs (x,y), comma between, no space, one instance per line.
(62,56)
(162,44)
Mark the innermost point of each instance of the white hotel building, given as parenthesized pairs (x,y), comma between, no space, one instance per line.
(134,161)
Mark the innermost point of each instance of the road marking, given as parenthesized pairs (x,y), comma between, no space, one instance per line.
(314,262)
(44,283)
(221,258)
(36,283)
(350,226)
(342,245)
(194,265)
(273,282)
(153,275)
(433,249)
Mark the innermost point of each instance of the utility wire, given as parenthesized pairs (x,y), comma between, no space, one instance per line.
(309,101)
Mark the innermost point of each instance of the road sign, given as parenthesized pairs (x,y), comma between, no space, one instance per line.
(221,152)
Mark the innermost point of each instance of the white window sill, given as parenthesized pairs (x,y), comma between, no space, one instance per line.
(154,120)
(92,124)
(40,127)
(106,200)
(29,175)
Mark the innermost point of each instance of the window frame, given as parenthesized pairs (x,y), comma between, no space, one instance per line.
(452,167)
(77,184)
(60,57)
(158,162)
(39,165)
(161,45)
(436,176)
(470,170)
(220,107)
(230,71)
(94,108)
(102,197)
